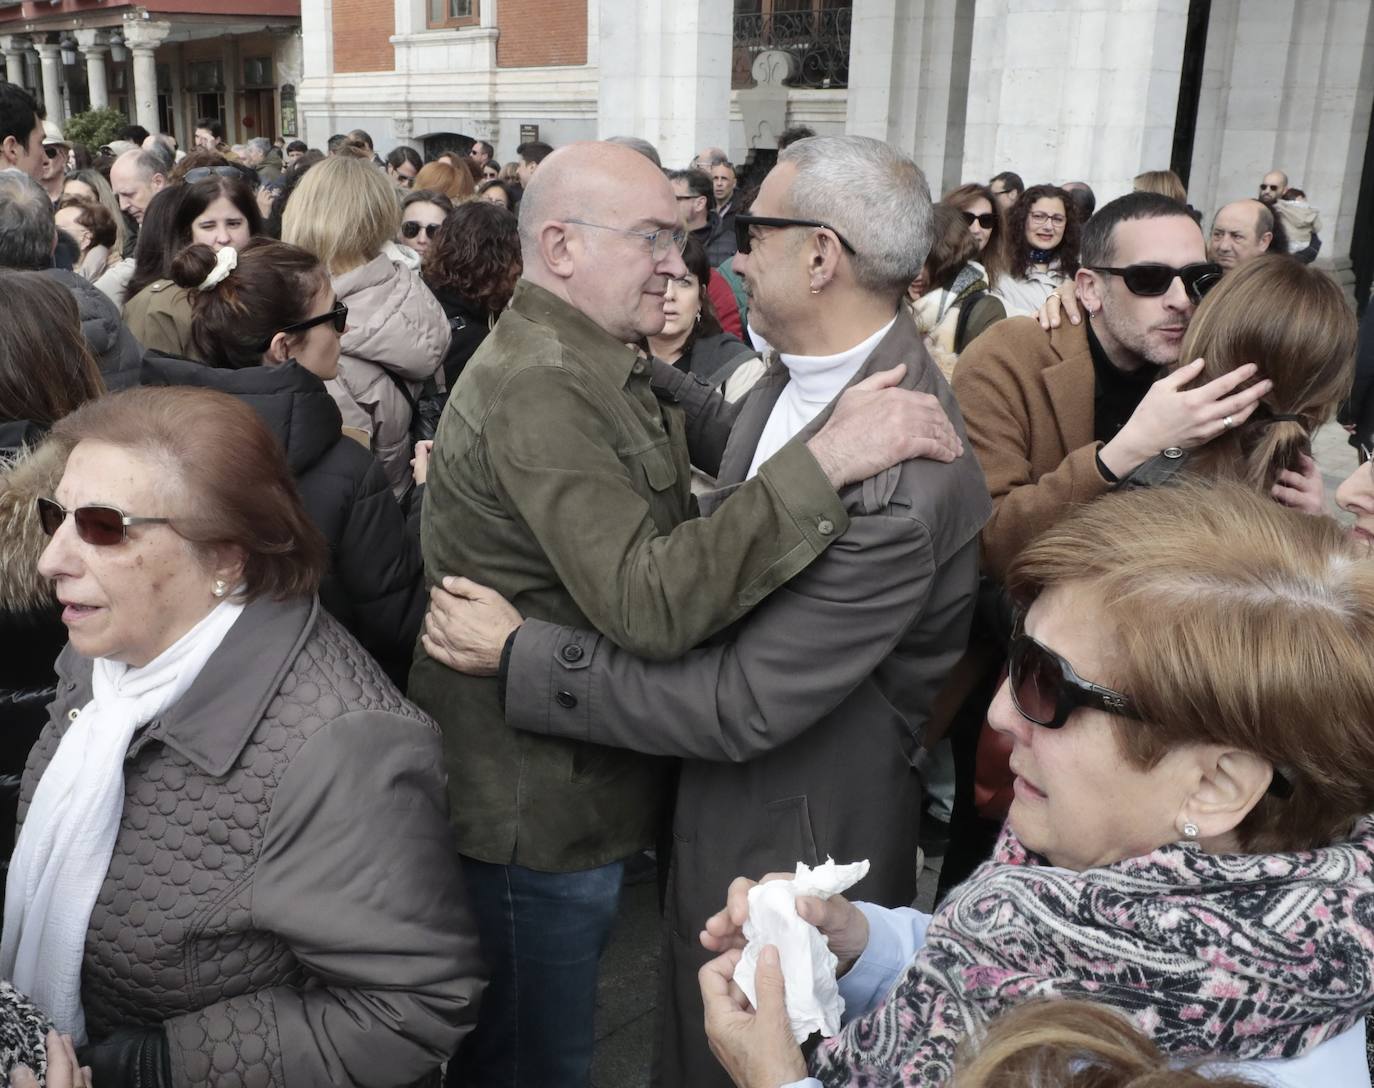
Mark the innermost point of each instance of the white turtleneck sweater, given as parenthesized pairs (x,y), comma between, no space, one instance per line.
(813,382)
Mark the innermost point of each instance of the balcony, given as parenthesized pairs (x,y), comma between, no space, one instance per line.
(817,38)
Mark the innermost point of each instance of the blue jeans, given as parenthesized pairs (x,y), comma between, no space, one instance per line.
(542,939)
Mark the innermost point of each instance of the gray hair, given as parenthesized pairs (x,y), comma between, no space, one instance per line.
(873,195)
(157,159)
(27,231)
(260,143)
(644,147)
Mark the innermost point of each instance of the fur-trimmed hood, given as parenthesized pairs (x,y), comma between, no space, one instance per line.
(25,473)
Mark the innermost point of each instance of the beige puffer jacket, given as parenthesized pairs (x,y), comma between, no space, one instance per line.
(394,324)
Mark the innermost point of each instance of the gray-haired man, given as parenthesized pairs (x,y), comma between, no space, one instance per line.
(800,726)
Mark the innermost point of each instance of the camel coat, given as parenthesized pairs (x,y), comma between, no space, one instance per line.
(1027,399)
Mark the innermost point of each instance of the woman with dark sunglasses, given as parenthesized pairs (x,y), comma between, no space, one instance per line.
(950,301)
(234,851)
(422,213)
(1190,842)
(269,328)
(980,210)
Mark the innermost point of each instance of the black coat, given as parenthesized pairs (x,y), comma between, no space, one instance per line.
(113,345)
(31,629)
(468,326)
(375,584)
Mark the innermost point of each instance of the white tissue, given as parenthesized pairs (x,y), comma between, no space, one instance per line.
(808,965)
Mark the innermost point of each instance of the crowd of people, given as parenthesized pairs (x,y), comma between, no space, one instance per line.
(401,555)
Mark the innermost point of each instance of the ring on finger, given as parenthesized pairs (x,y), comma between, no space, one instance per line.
(1228,423)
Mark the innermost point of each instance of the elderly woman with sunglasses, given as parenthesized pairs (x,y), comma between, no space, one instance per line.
(1190,841)
(234,864)
(268,326)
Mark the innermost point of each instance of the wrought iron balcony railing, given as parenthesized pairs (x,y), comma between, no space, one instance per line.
(818,39)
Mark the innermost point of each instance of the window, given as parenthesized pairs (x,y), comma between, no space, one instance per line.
(204,75)
(257,72)
(445,13)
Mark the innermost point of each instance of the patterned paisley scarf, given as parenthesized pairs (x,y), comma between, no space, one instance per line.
(1242,956)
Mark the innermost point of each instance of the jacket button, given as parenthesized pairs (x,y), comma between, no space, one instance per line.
(73,714)
(566,699)
(572,653)
(825,526)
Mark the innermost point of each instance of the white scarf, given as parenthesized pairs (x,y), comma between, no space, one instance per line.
(67,840)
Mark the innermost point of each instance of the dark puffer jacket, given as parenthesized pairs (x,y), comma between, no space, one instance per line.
(31,629)
(113,345)
(375,583)
(283,898)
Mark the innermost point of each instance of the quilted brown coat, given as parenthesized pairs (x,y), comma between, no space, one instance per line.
(283,896)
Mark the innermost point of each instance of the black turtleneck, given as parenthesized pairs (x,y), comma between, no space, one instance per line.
(1117,393)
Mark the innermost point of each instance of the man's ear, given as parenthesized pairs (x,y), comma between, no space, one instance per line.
(554,247)
(10,150)
(1266,239)
(1090,289)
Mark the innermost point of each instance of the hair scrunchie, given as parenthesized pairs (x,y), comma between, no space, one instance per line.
(226,260)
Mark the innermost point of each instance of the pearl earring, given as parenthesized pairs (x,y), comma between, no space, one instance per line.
(1190,830)
(221,587)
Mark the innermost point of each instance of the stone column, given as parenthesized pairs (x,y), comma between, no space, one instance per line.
(49,57)
(669,76)
(95,51)
(143,40)
(14,48)
(1065,91)
(908,80)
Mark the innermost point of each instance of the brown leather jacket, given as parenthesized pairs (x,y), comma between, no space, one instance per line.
(283,896)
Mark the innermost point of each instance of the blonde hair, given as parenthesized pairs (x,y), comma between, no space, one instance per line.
(1233,621)
(454,182)
(1294,322)
(343,211)
(1072,1044)
(1163,183)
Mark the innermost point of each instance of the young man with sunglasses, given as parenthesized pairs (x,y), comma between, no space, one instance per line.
(1060,419)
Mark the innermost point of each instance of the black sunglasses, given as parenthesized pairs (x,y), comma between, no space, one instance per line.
(984,220)
(51,150)
(98,525)
(1151,280)
(411,229)
(200,173)
(743,243)
(338,315)
(1045,691)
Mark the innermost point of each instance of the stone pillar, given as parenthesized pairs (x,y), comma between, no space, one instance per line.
(229,61)
(180,123)
(908,80)
(1065,91)
(14,48)
(1286,87)
(49,57)
(95,52)
(143,40)
(669,80)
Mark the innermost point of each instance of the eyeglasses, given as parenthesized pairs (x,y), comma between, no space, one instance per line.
(200,173)
(1150,280)
(744,241)
(660,241)
(1269,188)
(97,525)
(984,220)
(51,150)
(1039,219)
(1046,690)
(411,229)
(405,181)
(338,315)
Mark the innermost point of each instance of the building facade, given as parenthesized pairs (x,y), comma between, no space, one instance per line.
(162,64)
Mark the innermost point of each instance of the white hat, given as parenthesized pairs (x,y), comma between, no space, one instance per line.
(52,134)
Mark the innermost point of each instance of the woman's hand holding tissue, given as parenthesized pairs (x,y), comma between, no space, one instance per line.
(755,1047)
(841,923)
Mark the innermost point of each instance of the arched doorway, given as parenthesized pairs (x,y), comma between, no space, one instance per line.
(436,143)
